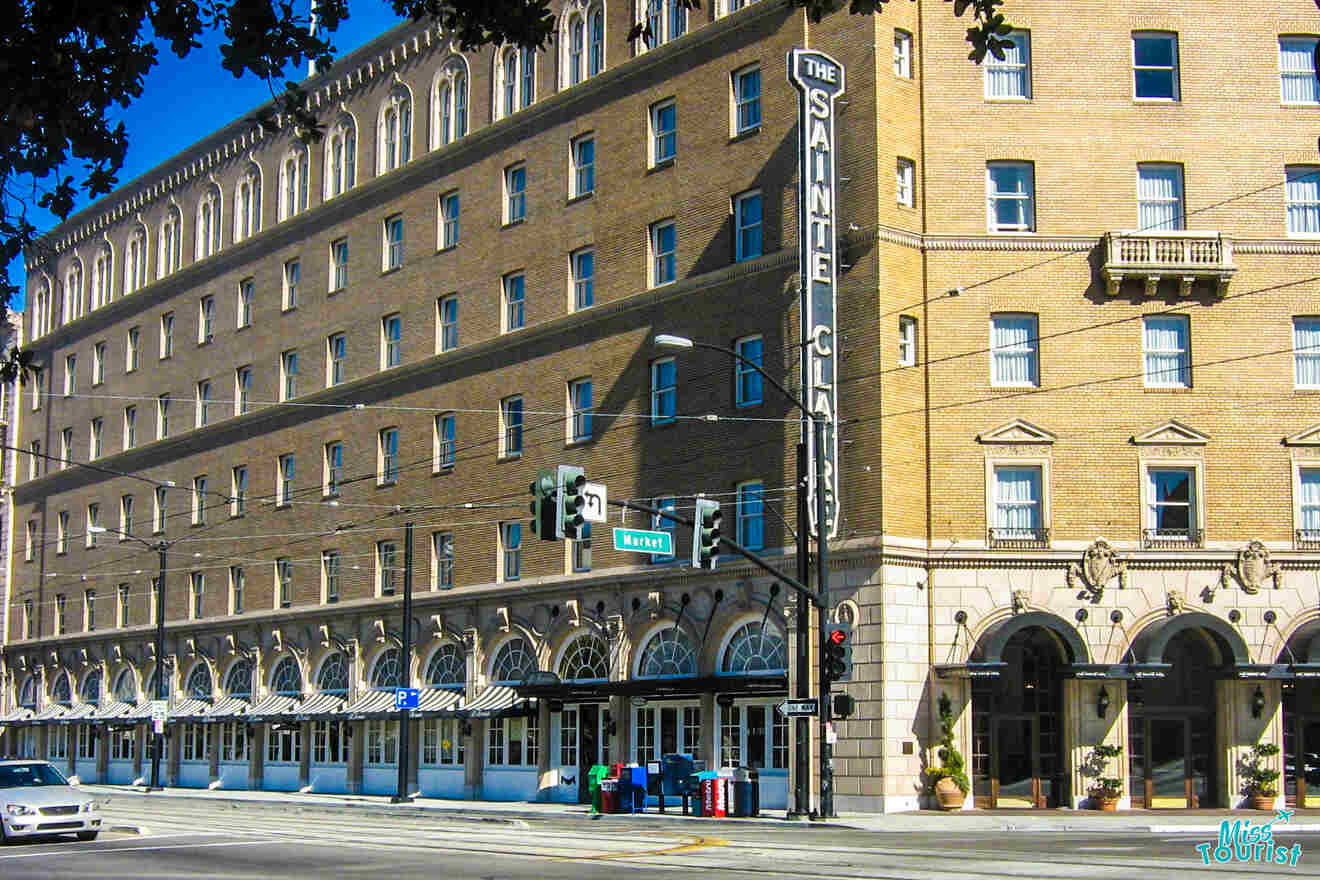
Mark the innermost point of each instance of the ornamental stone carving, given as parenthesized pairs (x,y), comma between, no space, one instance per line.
(1100,564)
(1174,603)
(1253,568)
(1020,601)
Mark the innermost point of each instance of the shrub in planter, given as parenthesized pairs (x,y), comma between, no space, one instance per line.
(1105,790)
(949,780)
(1260,783)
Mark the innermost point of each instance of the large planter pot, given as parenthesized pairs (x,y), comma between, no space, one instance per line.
(949,795)
(1102,802)
(1260,801)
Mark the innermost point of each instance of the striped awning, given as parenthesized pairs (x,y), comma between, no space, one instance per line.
(21,715)
(318,706)
(113,711)
(190,708)
(140,712)
(80,712)
(373,704)
(53,712)
(275,706)
(497,701)
(228,708)
(435,702)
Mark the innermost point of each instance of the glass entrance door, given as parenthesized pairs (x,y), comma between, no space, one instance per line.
(1168,777)
(1170,766)
(1016,776)
(1301,747)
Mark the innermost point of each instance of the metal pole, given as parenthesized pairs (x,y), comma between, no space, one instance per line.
(158,741)
(823,592)
(405,666)
(802,725)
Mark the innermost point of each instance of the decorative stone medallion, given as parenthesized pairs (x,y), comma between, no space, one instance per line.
(1100,564)
(1253,568)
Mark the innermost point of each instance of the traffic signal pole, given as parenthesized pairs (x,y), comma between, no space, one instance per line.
(823,604)
(802,724)
(405,669)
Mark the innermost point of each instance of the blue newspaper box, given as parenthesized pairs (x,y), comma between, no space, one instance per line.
(634,780)
(675,773)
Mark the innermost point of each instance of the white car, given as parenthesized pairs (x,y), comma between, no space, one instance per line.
(35,799)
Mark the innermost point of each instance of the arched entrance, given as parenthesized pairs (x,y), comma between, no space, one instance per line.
(1301,718)
(1017,748)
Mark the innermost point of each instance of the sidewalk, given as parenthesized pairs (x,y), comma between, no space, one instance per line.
(925,821)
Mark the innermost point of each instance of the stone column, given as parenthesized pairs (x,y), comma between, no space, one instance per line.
(256,755)
(959,693)
(305,764)
(414,753)
(710,731)
(545,781)
(102,734)
(621,743)
(139,753)
(355,756)
(173,751)
(213,753)
(1083,729)
(476,759)
(1238,730)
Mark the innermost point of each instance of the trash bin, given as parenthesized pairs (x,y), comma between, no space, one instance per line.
(742,793)
(594,777)
(754,779)
(636,777)
(609,795)
(616,771)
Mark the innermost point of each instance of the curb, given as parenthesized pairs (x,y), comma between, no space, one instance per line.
(140,830)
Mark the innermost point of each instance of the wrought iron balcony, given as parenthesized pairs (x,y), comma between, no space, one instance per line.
(1019,539)
(1171,539)
(1308,539)
(1168,253)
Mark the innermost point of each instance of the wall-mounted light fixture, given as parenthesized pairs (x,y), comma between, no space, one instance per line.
(725,700)
(1102,702)
(1257,702)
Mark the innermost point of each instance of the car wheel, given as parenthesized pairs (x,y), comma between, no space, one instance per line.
(87,835)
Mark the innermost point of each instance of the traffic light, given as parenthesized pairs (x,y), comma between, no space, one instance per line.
(706,534)
(543,505)
(838,652)
(569,501)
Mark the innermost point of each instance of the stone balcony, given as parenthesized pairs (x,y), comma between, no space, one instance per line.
(1187,256)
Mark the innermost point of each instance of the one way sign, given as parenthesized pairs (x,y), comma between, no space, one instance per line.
(791,708)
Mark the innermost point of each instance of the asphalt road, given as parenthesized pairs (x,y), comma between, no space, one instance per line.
(212,840)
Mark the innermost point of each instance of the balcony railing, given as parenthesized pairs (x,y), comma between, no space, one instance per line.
(1308,539)
(1171,539)
(1019,539)
(1151,256)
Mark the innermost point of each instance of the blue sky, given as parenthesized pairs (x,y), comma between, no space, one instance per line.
(186,99)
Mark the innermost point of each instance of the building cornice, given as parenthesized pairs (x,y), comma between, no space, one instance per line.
(1069,243)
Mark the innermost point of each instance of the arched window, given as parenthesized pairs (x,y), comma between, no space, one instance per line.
(135,261)
(582,38)
(668,654)
(450,99)
(150,690)
(754,649)
(587,659)
(287,679)
(91,688)
(27,695)
(394,139)
(103,270)
(247,203)
(333,677)
(41,309)
(577,44)
(665,20)
(171,241)
(208,222)
(515,86)
(294,171)
(199,683)
(385,673)
(61,692)
(513,663)
(238,682)
(126,687)
(447,668)
(341,157)
(73,292)
(595,40)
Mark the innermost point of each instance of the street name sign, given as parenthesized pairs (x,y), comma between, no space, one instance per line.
(792,708)
(594,509)
(407,698)
(642,541)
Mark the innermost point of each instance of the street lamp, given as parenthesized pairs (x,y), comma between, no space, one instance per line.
(670,340)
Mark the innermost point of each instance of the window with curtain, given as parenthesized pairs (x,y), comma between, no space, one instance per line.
(1010,77)
(1301,195)
(1013,350)
(1010,196)
(1159,197)
(1308,480)
(1017,502)
(1306,352)
(1165,343)
(1297,76)
(1171,501)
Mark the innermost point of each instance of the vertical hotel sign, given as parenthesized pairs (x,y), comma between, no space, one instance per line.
(819,81)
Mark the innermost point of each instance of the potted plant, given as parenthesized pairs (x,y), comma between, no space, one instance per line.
(1105,790)
(949,780)
(1259,783)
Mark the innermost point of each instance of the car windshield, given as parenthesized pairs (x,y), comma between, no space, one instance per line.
(28,775)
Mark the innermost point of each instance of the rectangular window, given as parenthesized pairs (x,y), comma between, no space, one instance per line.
(664,247)
(1014,342)
(511,425)
(130,427)
(1306,352)
(1009,78)
(61,626)
(1171,503)
(203,403)
(904,181)
(447,318)
(581,547)
(515,194)
(515,293)
(511,551)
(391,338)
(97,433)
(62,533)
(292,276)
(70,375)
(36,388)
(338,265)
(583,265)
(746,100)
(199,500)
(337,359)
(664,132)
(664,391)
(751,515)
(747,388)
(1308,505)
(1297,75)
(288,375)
(122,592)
(579,403)
(66,447)
(93,522)
(1017,494)
(206,320)
(907,341)
(1301,196)
(159,510)
(902,54)
(133,350)
(284,745)
(449,212)
(198,582)
(246,293)
(330,575)
(98,363)
(445,449)
(34,459)
(1159,196)
(387,568)
(583,154)
(29,620)
(125,517)
(1155,66)
(334,468)
(162,417)
(284,582)
(442,560)
(286,475)
(1010,196)
(388,445)
(660,524)
(242,390)
(238,480)
(1166,346)
(747,215)
(237,586)
(394,242)
(167,335)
